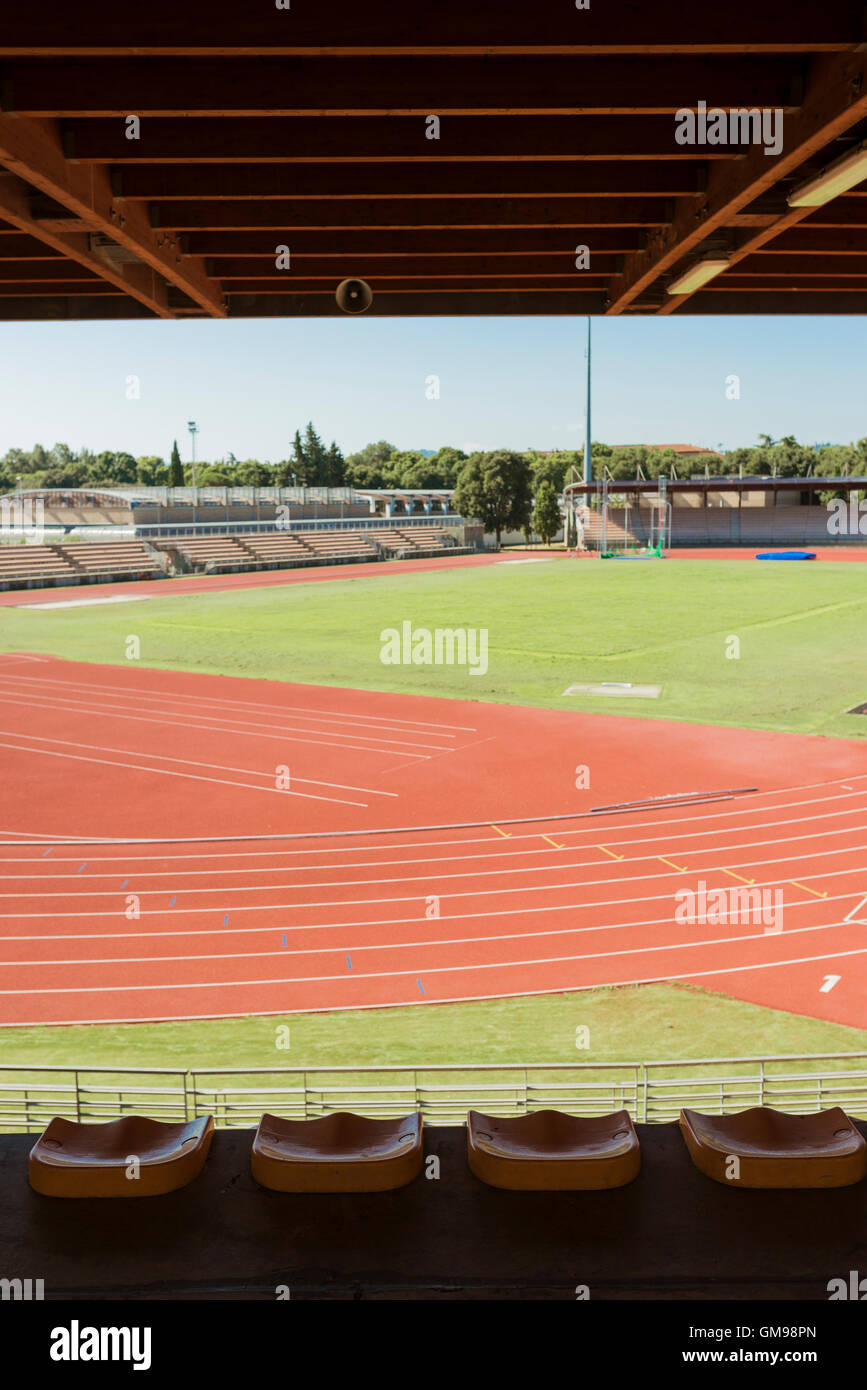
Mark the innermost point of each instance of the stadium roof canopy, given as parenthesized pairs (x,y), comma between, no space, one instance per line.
(310,127)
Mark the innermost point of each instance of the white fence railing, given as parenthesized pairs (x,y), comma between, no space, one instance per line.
(653,1092)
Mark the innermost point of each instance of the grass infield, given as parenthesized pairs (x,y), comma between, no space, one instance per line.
(633,1023)
(800,630)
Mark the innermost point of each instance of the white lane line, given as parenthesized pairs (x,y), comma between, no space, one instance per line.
(288,737)
(487,893)
(178,696)
(446,877)
(355,948)
(288,930)
(414,1002)
(85,602)
(225,722)
(495,854)
(225,725)
(851,917)
(188,762)
(187,776)
(592,829)
(429,970)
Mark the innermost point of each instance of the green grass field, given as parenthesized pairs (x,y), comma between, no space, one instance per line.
(801,665)
(637,1023)
(800,629)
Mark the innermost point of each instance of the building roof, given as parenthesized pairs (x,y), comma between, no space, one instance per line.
(453,156)
(676,448)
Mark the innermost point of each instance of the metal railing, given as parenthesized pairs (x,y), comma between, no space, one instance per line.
(653,1092)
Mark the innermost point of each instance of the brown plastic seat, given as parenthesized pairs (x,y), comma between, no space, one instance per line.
(776,1149)
(549,1151)
(337,1153)
(77,1160)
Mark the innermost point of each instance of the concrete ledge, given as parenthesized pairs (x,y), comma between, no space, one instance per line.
(670,1234)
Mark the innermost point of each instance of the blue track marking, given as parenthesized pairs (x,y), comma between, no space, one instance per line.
(48,851)
(173,901)
(349,962)
(226,920)
(420,985)
(80,867)
(123,885)
(284,940)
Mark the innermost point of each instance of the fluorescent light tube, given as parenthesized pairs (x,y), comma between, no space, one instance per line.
(696,277)
(838,178)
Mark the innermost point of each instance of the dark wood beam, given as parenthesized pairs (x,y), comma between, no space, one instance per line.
(425,266)
(68,288)
(420,304)
(766,302)
(382,139)
(75,246)
(162,27)
(324,86)
(49,270)
(31,151)
(835,101)
(792,284)
(20,248)
(772,267)
(396,284)
(345,182)
(60,308)
(416,241)
(323,214)
(811,241)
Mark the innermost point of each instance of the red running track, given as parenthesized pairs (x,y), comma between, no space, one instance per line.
(215,927)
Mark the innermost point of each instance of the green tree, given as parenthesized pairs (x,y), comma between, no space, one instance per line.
(445,466)
(546,513)
(151,471)
(495,488)
(176,468)
(335,466)
(370,467)
(249,473)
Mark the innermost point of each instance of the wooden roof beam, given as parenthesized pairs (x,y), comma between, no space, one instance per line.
(835,101)
(138,281)
(380,139)
(31,150)
(162,27)
(316,86)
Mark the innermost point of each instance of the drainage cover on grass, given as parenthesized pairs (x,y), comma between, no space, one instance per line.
(619,689)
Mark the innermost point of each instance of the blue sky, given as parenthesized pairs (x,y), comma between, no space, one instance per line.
(503,382)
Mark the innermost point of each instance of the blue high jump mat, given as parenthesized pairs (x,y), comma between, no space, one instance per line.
(787,555)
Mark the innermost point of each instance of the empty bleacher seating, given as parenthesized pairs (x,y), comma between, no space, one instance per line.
(111,558)
(26,565)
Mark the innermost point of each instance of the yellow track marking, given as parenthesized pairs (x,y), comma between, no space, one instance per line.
(552,842)
(731,873)
(501,832)
(609,851)
(815,893)
(679,867)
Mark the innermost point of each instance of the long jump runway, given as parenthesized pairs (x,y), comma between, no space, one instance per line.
(183,846)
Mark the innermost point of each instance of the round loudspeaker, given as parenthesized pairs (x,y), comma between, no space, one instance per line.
(354,296)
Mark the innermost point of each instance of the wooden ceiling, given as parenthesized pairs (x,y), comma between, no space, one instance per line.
(308,127)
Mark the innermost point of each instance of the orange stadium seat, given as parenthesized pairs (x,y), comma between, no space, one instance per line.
(337,1153)
(776,1149)
(80,1160)
(550,1151)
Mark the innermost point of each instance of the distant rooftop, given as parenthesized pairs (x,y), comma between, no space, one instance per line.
(676,448)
